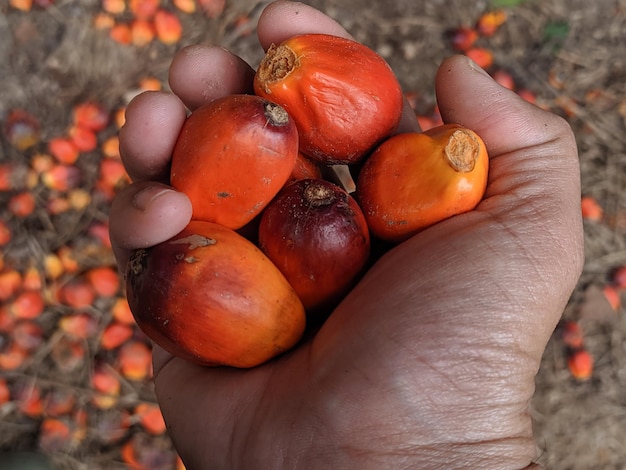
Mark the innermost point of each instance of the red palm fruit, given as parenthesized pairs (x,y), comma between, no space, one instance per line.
(464,38)
(115,335)
(106,385)
(5,233)
(55,435)
(135,360)
(21,129)
(121,33)
(168,28)
(77,293)
(481,56)
(64,150)
(105,280)
(212,297)
(13,176)
(79,325)
(5,393)
(91,115)
(305,168)
(10,282)
(59,401)
(61,177)
(84,139)
(121,311)
(572,334)
(141,32)
(246,132)
(490,21)
(115,7)
(580,364)
(150,418)
(341,114)
(22,204)
(612,297)
(29,399)
(12,357)
(212,8)
(590,208)
(144,9)
(315,233)
(28,335)
(28,304)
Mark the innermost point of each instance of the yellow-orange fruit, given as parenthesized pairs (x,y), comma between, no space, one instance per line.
(413,180)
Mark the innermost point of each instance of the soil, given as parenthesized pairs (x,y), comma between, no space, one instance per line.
(570,53)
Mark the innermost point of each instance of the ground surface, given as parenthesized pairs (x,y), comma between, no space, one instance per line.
(570,53)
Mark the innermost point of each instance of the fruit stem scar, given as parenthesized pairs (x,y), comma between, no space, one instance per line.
(194,241)
(462,150)
(135,263)
(275,114)
(318,195)
(278,63)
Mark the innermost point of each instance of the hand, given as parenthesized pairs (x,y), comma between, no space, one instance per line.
(430,361)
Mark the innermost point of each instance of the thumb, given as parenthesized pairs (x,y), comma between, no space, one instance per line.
(533,188)
(467,95)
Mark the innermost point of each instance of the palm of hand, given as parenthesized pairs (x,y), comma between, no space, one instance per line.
(427,361)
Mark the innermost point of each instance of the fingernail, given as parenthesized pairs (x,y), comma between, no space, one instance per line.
(146,196)
(477,68)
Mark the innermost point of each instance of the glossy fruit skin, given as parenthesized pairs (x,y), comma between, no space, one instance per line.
(344,98)
(305,168)
(316,234)
(232,157)
(409,182)
(211,297)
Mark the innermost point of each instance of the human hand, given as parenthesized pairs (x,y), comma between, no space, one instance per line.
(430,361)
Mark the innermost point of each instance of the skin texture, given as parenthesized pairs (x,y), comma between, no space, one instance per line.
(430,361)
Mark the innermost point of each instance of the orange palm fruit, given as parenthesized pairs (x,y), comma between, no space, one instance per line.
(105,280)
(413,180)
(232,157)
(115,334)
(83,138)
(135,360)
(144,9)
(150,417)
(10,282)
(28,304)
(91,115)
(22,204)
(141,32)
(168,28)
(343,96)
(580,364)
(5,393)
(121,311)
(64,150)
(77,293)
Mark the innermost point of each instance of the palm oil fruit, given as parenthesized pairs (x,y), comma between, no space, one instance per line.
(415,180)
(211,297)
(232,157)
(316,234)
(343,96)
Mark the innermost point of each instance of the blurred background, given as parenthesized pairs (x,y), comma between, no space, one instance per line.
(74,369)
